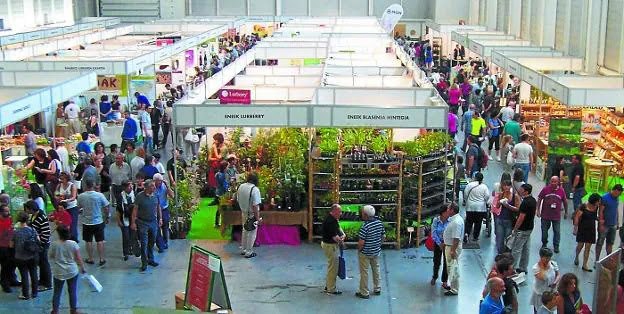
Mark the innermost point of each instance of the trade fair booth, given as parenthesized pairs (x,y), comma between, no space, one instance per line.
(25,44)
(285,201)
(33,97)
(440,37)
(463,39)
(572,114)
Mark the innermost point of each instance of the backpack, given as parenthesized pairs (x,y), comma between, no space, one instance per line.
(32,244)
(482,158)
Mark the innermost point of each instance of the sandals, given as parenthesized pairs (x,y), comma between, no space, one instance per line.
(251,255)
(90,261)
(102,263)
(587,269)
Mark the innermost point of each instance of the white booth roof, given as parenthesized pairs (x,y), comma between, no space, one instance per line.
(581,90)
(461,37)
(23,94)
(449,27)
(10,37)
(117,62)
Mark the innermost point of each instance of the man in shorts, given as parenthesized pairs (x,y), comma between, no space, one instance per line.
(608,219)
(95,216)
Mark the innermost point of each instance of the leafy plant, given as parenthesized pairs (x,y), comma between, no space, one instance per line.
(379,144)
(425,144)
(187,204)
(329,143)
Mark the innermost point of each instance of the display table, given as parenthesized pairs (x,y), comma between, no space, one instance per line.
(110,134)
(231,218)
(605,168)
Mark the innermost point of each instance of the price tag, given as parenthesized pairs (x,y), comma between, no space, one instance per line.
(214,264)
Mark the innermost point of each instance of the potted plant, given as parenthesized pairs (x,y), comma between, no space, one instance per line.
(187,204)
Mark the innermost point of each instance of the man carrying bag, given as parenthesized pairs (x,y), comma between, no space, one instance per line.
(248,197)
(333,238)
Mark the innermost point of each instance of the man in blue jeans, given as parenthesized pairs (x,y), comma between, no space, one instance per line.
(577,178)
(146,219)
(523,153)
(163,192)
(608,215)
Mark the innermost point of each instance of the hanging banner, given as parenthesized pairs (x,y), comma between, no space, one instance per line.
(164,42)
(163,78)
(235,96)
(189,57)
(391,17)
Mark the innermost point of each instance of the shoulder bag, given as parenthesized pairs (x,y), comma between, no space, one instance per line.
(250,223)
(467,196)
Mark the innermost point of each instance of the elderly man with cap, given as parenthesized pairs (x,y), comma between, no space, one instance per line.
(371,236)
(163,193)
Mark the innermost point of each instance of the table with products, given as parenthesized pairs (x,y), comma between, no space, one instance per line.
(277,227)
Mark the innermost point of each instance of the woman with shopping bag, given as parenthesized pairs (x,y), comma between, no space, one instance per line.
(64,255)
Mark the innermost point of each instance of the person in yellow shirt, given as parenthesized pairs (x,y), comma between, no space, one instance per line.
(478,128)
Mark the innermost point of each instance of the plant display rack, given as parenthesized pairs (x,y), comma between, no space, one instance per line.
(436,50)
(427,187)
(611,141)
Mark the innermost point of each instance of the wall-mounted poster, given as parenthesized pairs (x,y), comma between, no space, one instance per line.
(144,84)
(163,77)
(189,57)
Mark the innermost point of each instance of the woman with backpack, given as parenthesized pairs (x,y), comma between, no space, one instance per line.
(476,196)
(26,244)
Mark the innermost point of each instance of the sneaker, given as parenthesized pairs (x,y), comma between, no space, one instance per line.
(22,297)
(556,250)
(153,264)
(433,281)
(102,263)
(337,292)
(43,288)
(143,269)
(446,287)
(377,292)
(498,158)
(451,292)
(251,255)
(361,296)
(125,258)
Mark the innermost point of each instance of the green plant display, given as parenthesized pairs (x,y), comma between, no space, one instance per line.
(329,143)
(426,144)
(379,144)
(187,204)
(564,137)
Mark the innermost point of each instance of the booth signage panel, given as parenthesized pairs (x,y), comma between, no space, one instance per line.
(8,40)
(554,89)
(498,59)
(241,116)
(98,67)
(33,35)
(476,48)
(235,96)
(378,117)
(532,77)
(514,68)
(21,109)
(109,83)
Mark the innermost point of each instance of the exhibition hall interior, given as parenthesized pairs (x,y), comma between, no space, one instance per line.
(312,156)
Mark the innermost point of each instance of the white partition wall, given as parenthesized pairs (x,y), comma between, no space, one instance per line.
(281,80)
(283,70)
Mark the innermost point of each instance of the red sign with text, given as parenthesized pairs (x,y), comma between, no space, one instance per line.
(235,96)
(199,282)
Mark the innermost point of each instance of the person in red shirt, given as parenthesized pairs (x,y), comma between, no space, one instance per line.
(550,201)
(61,217)
(7,267)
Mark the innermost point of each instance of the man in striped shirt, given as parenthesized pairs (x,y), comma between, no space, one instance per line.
(372,234)
(39,221)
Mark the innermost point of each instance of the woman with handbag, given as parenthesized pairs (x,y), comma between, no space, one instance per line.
(25,242)
(437,231)
(66,265)
(477,196)
(569,300)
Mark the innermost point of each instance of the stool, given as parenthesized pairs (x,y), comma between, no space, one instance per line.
(594,176)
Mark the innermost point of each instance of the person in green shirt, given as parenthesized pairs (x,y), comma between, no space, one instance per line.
(513,128)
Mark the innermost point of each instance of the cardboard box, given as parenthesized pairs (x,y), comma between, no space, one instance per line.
(179,301)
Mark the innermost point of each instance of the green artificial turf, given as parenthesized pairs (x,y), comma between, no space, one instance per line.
(202,227)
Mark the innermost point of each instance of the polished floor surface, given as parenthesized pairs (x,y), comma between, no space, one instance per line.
(284,279)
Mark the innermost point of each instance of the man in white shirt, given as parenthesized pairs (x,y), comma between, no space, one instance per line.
(137,163)
(453,246)
(248,197)
(146,127)
(507,113)
(523,153)
(72,112)
(61,150)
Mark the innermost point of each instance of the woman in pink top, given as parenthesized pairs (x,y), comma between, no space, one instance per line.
(454,94)
(452,122)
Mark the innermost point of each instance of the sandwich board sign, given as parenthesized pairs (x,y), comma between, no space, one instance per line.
(205,282)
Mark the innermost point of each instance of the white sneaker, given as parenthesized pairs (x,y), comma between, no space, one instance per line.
(497,158)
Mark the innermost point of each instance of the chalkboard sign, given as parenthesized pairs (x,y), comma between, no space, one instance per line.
(205,282)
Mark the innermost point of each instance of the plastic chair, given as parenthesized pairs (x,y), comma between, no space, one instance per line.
(594,178)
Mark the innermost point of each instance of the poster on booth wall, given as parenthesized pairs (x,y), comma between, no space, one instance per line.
(189,58)
(591,123)
(163,77)
(144,84)
(164,42)
(110,82)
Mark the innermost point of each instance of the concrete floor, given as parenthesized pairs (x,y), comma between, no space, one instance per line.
(285,279)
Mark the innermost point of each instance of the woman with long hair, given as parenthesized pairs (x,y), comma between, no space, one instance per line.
(503,216)
(218,151)
(454,95)
(569,300)
(36,194)
(67,194)
(52,174)
(585,228)
(39,162)
(99,151)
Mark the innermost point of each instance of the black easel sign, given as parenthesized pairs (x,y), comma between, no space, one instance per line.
(205,282)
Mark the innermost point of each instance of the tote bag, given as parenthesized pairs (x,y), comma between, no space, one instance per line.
(342,268)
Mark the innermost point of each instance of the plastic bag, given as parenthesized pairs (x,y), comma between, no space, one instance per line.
(92,283)
(342,267)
